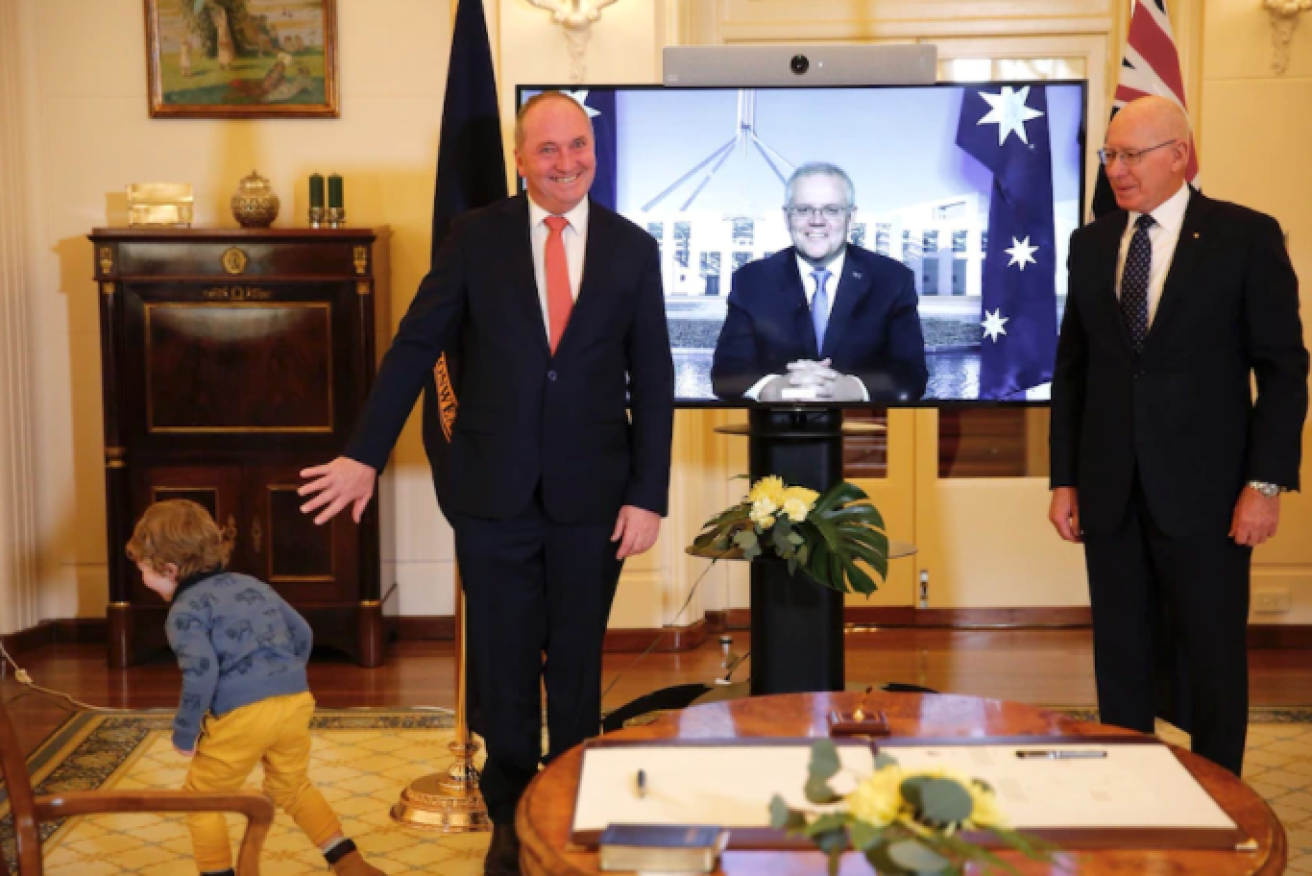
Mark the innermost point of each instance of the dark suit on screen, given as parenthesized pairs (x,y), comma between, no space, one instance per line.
(873,331)
(1159,445)
(543,452)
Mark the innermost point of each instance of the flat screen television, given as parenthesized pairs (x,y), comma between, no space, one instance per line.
(965,193)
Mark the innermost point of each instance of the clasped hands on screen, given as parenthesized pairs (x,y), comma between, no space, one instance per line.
(810,380)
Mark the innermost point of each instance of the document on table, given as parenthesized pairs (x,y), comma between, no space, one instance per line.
(1137,794)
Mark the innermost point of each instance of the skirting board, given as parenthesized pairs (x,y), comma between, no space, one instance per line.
(92,631)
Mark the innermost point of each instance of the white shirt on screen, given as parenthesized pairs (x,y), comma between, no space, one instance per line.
(1168,219)
(575,237)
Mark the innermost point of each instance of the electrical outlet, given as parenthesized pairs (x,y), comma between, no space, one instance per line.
(1271,599)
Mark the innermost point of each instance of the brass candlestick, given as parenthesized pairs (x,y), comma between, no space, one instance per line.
(450,802)
(316,217)
(336,217)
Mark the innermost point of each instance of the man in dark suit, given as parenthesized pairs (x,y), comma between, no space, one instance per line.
(821,320)
(558,305)
(1162,462)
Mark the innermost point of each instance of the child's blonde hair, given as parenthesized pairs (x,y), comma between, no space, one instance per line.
(180,532)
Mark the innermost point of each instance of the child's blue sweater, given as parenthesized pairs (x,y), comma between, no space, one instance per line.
(237,643)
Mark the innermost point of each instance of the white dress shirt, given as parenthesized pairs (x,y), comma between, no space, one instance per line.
(1168,219)
(575,236)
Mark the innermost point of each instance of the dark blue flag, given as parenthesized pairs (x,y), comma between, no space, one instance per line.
(601,107)
(1006,129)
(471,173)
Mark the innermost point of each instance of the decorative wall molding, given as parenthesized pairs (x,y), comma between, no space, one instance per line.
(1284,18)
(576,17)
(18,535)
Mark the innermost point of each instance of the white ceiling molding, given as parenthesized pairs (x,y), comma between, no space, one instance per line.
(1284,18)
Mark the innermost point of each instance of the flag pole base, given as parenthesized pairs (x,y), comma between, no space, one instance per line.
(447,802)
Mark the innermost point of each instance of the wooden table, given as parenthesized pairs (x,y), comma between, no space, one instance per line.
(547,809)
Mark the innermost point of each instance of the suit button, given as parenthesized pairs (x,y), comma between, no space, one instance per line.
(551,375)
(1138,375)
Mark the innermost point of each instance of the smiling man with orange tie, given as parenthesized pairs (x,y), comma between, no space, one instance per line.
(556,305)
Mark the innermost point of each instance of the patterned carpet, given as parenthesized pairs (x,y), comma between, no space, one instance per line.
(363,758)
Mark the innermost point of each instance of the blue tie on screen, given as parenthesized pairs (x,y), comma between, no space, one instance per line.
(820,308)
(1134,281)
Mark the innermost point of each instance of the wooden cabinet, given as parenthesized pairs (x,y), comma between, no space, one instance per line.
(232,359)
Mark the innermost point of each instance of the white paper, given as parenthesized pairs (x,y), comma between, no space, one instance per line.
(1133,786)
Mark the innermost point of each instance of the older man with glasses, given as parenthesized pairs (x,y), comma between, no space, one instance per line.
(1163,463)
(822,320)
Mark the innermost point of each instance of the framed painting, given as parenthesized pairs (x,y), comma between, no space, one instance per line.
(253,59)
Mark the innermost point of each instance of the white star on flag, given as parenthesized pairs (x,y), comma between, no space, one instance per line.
(993,324)
(1021,253)
(1009,112)
(580,97)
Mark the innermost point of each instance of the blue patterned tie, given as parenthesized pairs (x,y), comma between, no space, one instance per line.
(820,308)
(1134,282)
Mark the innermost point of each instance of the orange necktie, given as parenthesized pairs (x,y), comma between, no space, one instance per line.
(560,301)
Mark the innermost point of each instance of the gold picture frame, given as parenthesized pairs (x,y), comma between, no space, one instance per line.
(242,59)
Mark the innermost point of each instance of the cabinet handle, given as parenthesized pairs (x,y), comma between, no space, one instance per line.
(230,531)
(257,533)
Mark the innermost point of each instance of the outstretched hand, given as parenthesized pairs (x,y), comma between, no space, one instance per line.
(340,483)
(636,530)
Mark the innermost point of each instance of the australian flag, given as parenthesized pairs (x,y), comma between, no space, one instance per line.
(600,105)
(1006,129)
(471,173)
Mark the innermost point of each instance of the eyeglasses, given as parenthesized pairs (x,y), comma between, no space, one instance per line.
(830,212)
(1129,157)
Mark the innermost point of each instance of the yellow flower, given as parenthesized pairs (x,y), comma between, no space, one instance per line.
(770,487)
(796,510)
(984,811)
(877,800)
(802,494)
(762,513)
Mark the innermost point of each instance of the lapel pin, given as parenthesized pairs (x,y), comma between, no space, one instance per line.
(1195,235)
(856,275)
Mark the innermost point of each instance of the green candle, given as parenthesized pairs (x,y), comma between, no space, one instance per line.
(335,191)
(316,190)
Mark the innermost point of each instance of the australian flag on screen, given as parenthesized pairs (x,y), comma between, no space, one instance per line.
(1006,129)
(601,108)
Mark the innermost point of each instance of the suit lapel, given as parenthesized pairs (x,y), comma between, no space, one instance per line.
(523,287)
(594,285)
(1188,249)
(854,285)
(794,303)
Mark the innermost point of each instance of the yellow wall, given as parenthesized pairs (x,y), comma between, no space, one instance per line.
(80,94)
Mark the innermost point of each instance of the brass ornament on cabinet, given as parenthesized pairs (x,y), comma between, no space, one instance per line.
(237,293)
(361,259)
(257,534)
(106,260)
(362,287)
(107,289)
(230,530)
(116,457)
(234,260)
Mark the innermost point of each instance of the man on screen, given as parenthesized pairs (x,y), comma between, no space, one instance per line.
(1163,463)
(822,320)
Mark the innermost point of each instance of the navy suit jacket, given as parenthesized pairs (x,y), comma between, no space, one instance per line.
(1181,413)
(527,418)
(873,330)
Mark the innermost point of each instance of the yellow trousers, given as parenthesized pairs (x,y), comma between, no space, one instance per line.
(275,732)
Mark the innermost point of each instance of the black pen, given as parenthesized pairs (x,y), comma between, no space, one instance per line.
(641,783)
(1063,754)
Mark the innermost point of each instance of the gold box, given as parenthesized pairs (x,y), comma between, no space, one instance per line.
(160,204)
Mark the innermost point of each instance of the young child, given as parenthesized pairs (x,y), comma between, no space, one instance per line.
(245,698)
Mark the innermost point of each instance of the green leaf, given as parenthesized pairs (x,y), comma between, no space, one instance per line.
(818,792)
(864,835)
(883,759)
(751,553)
(914,855)
(824,760)
(783,818)
(832,840)
(827,823)
(883,864)
(745,539)
(943,802)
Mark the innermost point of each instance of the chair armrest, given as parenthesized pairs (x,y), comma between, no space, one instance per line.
(257,808)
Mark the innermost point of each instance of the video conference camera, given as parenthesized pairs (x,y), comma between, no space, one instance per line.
(800,65)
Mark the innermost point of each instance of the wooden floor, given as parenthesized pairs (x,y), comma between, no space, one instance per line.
(1045,667)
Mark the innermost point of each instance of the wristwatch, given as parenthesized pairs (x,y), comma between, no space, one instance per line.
(1270,491)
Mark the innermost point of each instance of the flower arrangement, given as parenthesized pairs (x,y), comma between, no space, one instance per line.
(904,822)
(824,534)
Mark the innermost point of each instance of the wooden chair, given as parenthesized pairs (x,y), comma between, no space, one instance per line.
(30,810)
